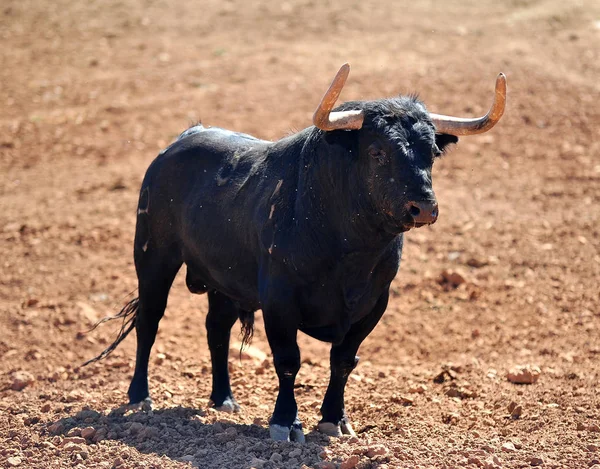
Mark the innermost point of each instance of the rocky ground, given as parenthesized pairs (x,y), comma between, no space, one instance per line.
(502,289)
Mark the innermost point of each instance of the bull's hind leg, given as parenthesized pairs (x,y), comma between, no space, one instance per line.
(343,360)
(222,314)
(155,276)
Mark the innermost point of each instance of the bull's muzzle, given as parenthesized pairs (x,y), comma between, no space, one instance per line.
(423,212)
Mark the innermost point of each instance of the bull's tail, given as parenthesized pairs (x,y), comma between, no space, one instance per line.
(128,314)
(247,321)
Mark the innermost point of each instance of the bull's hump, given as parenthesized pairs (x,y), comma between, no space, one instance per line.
(219,133)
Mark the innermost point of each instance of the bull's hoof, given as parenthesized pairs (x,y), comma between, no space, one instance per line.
(145,405)
(336,430)
(283,433)
(229,406)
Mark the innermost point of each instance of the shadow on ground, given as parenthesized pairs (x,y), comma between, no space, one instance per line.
(189,435)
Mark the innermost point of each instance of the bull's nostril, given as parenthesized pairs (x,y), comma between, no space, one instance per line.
(434,213)
(414,210)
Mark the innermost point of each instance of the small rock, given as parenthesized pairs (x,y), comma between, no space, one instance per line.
(581,426)
(594,427)
(376,450)
(516,412)
(77,440)
(451,279)
(135,428)
(295,453)
(350,463)
(56,428)
(72,448)
(46,407)
(526,374)
(248,352)
(508,447)
(593,448)
(326,465)
(13,461)
(88,433)
(257,463)
(419,389)
(276,458)
(21,379)
(535,461)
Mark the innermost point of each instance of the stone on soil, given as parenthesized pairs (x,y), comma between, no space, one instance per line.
(525,374)
(21,379)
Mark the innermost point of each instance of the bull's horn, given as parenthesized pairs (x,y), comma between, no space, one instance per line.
(461,126)
(324,119)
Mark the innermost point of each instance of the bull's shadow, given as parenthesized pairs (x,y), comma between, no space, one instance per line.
(182,434)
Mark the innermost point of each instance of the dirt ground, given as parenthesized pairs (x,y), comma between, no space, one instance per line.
(90,91)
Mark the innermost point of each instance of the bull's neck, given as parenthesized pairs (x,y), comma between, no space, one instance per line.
(333,203)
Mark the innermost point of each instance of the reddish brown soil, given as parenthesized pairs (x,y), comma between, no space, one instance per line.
(90,91)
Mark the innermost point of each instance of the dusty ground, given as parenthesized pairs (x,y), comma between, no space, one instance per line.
(90,91)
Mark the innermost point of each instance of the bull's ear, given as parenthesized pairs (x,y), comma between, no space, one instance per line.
(443,140)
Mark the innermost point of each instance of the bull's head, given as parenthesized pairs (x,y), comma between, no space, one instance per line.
(398,140)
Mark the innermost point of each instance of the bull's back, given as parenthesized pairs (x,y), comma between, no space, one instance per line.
(198,198)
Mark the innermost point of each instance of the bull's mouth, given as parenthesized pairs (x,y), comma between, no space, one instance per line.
(416,224)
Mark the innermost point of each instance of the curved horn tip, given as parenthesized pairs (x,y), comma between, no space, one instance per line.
(501,81)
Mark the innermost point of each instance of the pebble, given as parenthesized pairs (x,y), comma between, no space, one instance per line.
(56,428)
(419,389)
(295,453)
(72,447)
(135,428)
(350,463)
(524,374)
(326,465)
(21,379)
(508,447)
(13,461)
(535,461)
(77,440)
(257,463)
(88,433)
(276,458)
(594,427)
(248,352)
(376,450)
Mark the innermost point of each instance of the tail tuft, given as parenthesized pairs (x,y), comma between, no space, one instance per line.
(247,321)
(129,315)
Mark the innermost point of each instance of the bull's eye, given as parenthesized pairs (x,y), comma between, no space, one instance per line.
(378,154)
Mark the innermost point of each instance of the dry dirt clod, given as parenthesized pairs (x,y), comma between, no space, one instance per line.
(351,462)
(524,374)
(21,379)
(594,427)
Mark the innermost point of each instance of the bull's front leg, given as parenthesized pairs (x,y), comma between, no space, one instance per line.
(343,360)
(281,329)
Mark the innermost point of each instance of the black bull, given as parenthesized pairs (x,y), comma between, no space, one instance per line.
(307,228)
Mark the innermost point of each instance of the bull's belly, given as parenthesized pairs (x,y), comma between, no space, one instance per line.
(237,286)
(328,316)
